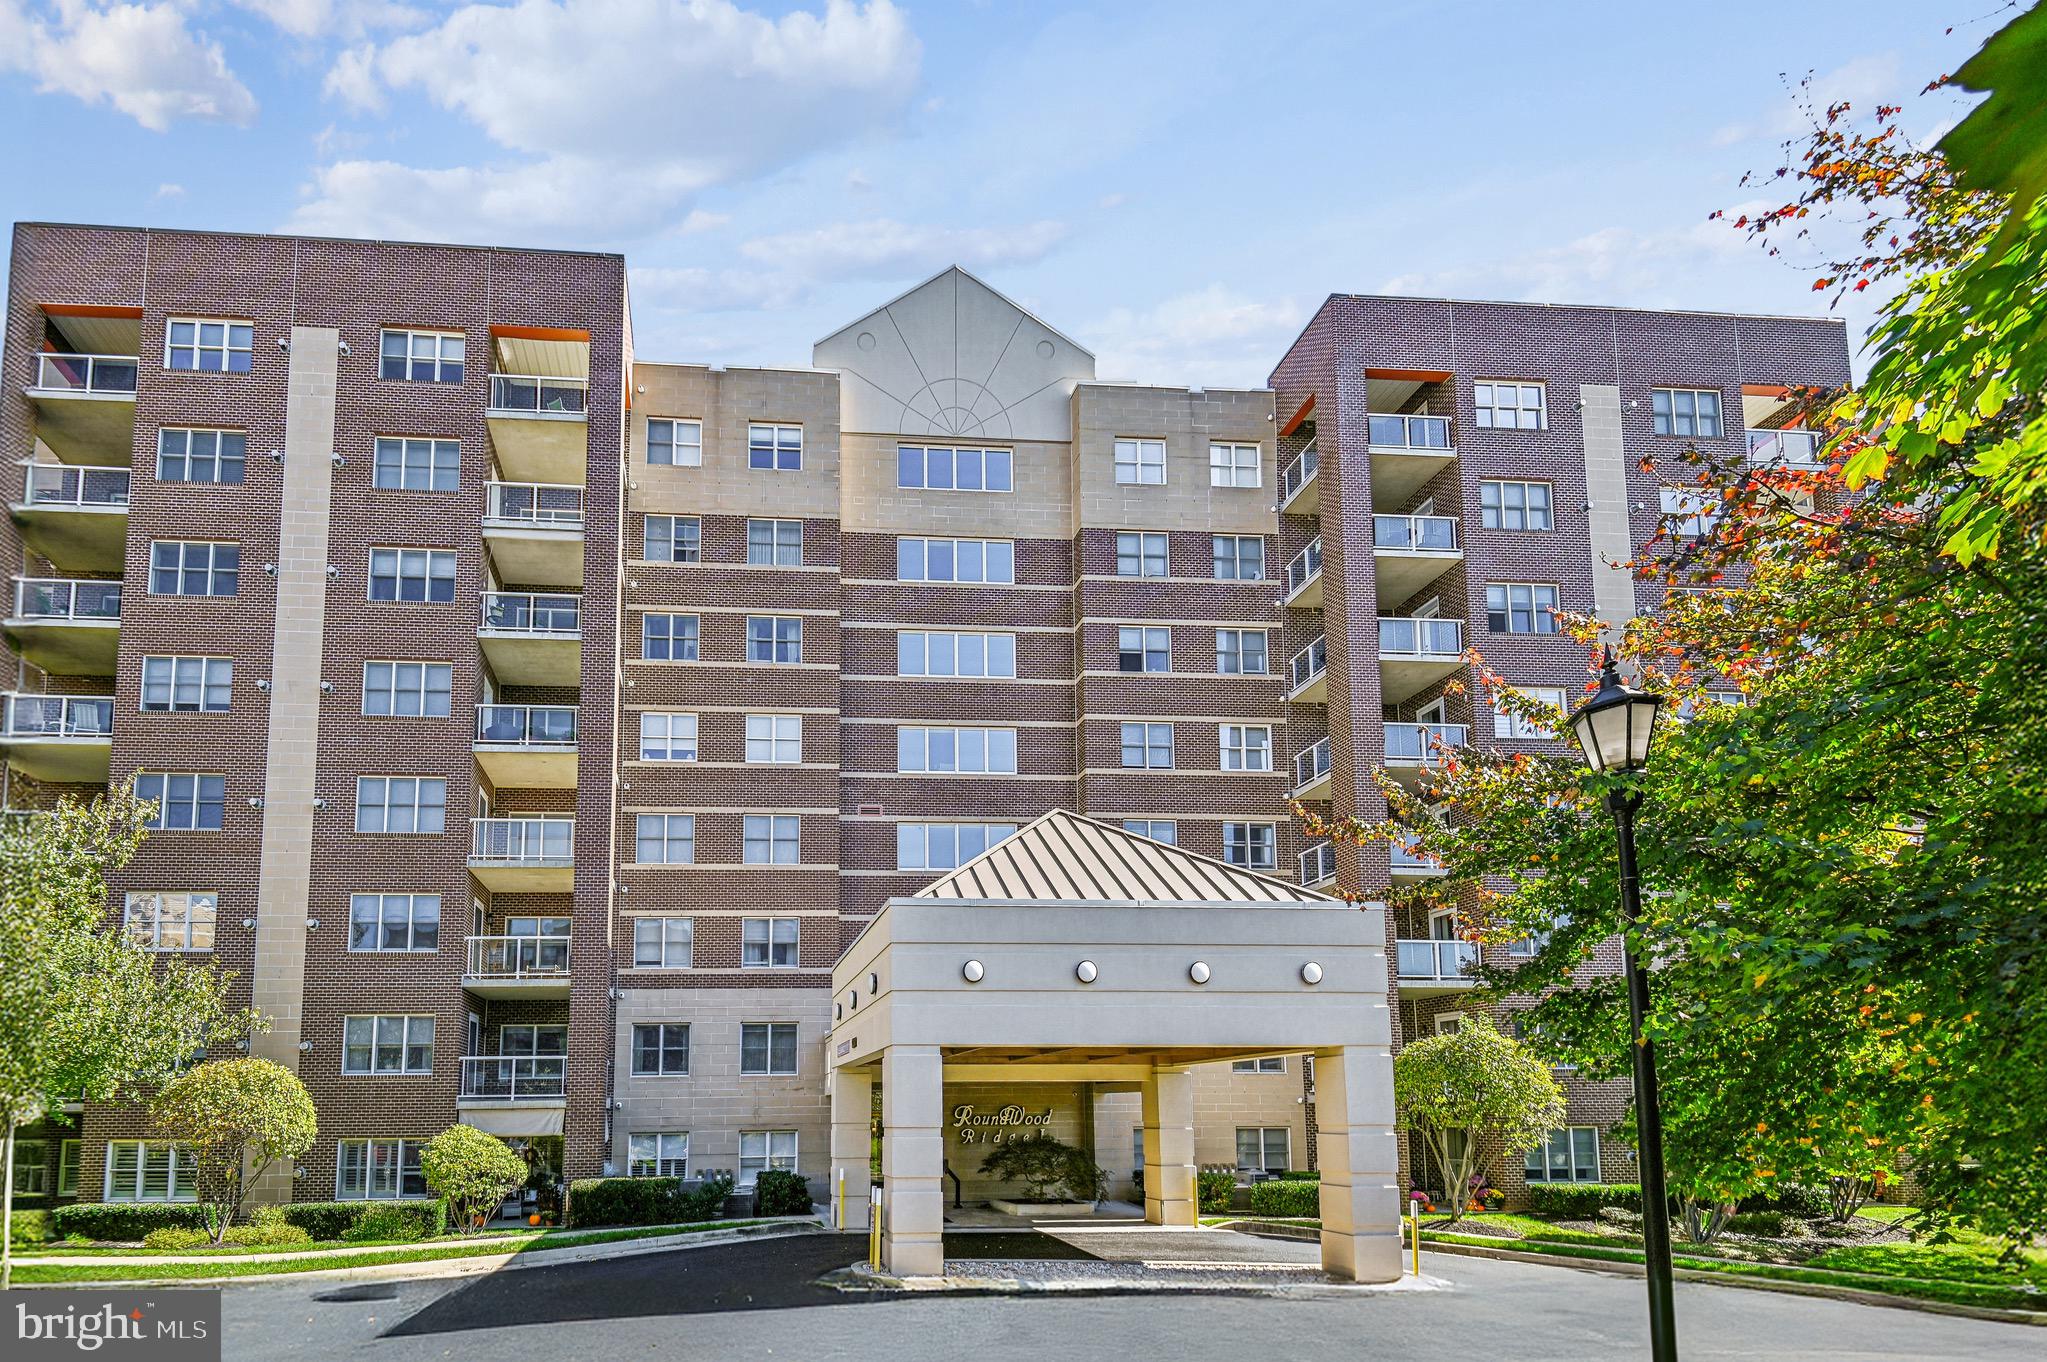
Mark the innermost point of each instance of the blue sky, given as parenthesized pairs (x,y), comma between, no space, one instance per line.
(1176,185)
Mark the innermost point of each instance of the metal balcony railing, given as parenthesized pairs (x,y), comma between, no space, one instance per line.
(1403,637)
(56,484)
(1307,664)
(527,725)
(1409,432)
(1437,961)
(1405,857)
(514,1078)
(551,504)
(1311,763)
(1422,744)
(1415,533)
(58,716)
(525,612)
(1299,473)
(63,598)
(1786,448)
(522,841)
(1305,567)
(86,373)
(534,393)
(517,957)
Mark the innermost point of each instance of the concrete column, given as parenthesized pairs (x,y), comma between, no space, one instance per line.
(913,1160)
(852,1123)
(1608,527)
(1360,1163)
(1169,1172)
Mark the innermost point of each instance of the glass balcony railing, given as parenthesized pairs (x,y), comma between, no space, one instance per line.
(1422,744)
(58,716)
(1406,858)
(1305,568)
(535,503)
(1402,637)
(1415,533)
(525,612)
(522,841)
(531,393)
(1299,473)
(1317,863)
(1786,448)
(59,598)
(514,1078)
(1311,764)
(59,485)
(517,957)
(1307,664)
(1409,432)
(527,725)
(1440,962)
(86,373)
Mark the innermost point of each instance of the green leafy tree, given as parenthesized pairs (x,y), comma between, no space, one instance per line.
(472,1171)
(238,1116)
(1044,1164)
(85,1013)
(1473,1083)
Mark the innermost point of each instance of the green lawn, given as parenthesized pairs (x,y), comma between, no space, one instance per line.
(60,1249)
(1890,1214)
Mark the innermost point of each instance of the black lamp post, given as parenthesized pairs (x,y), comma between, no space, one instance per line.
(1614,728)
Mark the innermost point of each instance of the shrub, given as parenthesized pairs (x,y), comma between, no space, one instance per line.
(1286,1197)
(1806,1203)
(1581,1200)
(124,1222)
(237,1117)
(1214,1188)
(777,1191)
(1768,1224)
(1300,1175)
(707,1202)
(177,1237)
(278,1235)
(1047,1167)
(470,1170)
(646,1201)
(385,1222)
(29,1228)
(331,1220)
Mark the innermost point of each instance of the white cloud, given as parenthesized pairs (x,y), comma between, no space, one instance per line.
(1215,337)
(694,290)
(552,199)
(170,191)
(1863,82)
(317,18)
(140,59)
(884,249)
(1617,265)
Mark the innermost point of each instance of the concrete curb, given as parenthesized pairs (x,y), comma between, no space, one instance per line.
(859,1278)
(2037,1318)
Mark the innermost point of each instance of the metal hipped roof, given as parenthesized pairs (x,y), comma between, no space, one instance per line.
(1062,855)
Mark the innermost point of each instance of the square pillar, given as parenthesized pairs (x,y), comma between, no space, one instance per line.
(1169,1172)
(913,1161)
(1360,1160)
(852,1128)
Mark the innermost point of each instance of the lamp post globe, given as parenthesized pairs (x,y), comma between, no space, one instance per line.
(1615,727)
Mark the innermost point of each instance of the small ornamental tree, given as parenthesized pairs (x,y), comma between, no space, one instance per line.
(471,1171)
(1044,1164)
(1471,1083)
(238,1116)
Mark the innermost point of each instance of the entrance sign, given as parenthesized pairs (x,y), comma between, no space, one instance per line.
(997,1127)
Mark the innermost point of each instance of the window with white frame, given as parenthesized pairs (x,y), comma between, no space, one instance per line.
(761,1150)
(1141,463)
(954,469)
(945,846)
(185,454)
(774,737)
(676,443)
(1139,554)
(394,922)
(661,1050)
(1317,863)
(1507,505)
(769,942)
(929,652)
(1690,514)
(150,1170)
(658,1154)
(1270,1064)
(407,689)
(955,560)
(767,1048)
(193,567)
(422,356)
(774,543)
(1250,845)
(195,684)
(1240,652)
(1164,830)
(186,802)
(378,1170)
(665,839)
(668,737)
(412,575)
(1139,649)
(1245,747)
(1233,465)
(774,638)
(1514,726)
(774,447)
(209,345)
(664,942)
(963,750)
(1238,557)
(672,539)
(668,638)
(1263,1149)
(67,1167)
(1570,1154)
(413,465)
(171,921)
(1498,405)
(1147,745)
(1685,412)
(387,1043)
(771,839)
(401,804)
(1521,608)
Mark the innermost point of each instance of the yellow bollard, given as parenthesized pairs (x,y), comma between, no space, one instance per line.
(839,1204)
(1414,1222)
(874,1228)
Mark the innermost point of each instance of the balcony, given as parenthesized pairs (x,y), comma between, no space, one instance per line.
(1414,654)
(1427,967)
(1317,864)
(1407,451)
(530,747)
(75,517)
(1307,674)
(1304,577)
(514,1095)
(1410,551)
(1409,864)
(535,531)
(65,738)
(1311,772)
(540,426)
(68,626)
(1412,748)
(523,855)
(517,967)
(533,639)
(85,407)
(1797,450)
(1300,486)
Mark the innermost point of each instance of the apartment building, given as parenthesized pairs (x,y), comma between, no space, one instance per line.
(536,726)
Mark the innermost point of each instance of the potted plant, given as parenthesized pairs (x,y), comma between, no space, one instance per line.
(1421,1198)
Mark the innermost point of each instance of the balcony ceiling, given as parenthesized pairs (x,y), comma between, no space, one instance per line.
(554,357)
(92,334)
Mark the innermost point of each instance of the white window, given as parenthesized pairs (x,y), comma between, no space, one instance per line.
(387,1044)
(1508,406)
(1158,829)
(1685,411)
(664,1154)
(1141,463)
(378,1170)
(208,345)
(971,750)
(184,802)
(67,1168)
(1144,650)
(407,689)
(680,443)
(767,1048)
(1690,514)
(955,560)
(664,942)
(771,839)
(1240,652)
(199,684)
(774,447)
(1263,1149)
(401,803)
(1567,1155)
(1317,863)
(150,1170)
(394,922)
(1139,554)
(760,1150)
(1521,608)
(1147,745)
(184,454)
(668,737)
(945,846)
(774,638)
(668,638)
(1449,1023)
(665,838)
(1250,845)
(931,653)
(673,539)
(1239,557)
(171,922)
(187,567)
(774,737)
(954,469)
(1245,747)
(1507,725)
(1231,465)
(774,543)
(412,575)
(417,465)
(1271,1064)
(1514,505)
(422,356)
(769,942)
(661,1050)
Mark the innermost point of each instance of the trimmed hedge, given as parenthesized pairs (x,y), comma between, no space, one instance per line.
(327,1221)
(646,1201)
(1769,1224)
(124,1222)
(777,1191)
(388,1220)
(1214,1188)
(1581,1200)
(1286,1197)
(1300,1175)
(1806,1203)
